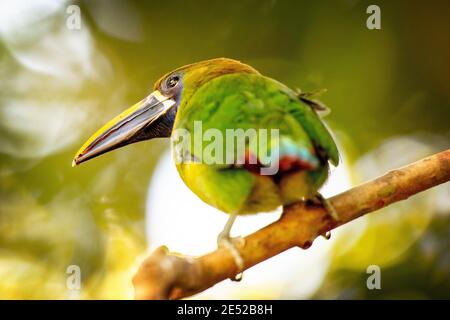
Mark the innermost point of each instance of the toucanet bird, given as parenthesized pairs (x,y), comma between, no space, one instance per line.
(226,94)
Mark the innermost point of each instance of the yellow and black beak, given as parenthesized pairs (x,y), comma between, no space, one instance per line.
(152,117)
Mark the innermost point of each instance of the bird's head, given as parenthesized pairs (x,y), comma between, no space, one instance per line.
(154,116)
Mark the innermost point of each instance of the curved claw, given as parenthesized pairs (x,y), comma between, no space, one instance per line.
(224,241)
(327,205)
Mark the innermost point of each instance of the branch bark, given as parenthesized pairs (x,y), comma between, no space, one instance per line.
(165,275)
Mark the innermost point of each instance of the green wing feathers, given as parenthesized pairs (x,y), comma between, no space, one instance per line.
(252,101)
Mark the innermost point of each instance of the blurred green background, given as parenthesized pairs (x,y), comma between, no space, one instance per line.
(389,91)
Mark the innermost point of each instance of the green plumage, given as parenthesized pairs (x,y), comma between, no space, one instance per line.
(248,100)
(243,143)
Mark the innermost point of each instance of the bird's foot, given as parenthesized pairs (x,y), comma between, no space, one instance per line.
(225,241)
(320,200)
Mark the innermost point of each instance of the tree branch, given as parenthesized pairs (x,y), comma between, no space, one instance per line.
(165,275)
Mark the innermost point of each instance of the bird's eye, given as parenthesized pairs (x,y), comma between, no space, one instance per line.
(172,81)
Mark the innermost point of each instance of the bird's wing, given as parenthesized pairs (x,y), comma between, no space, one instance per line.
(248,101)
(308,117)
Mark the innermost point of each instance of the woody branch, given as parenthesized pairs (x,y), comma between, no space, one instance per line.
(165,275)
